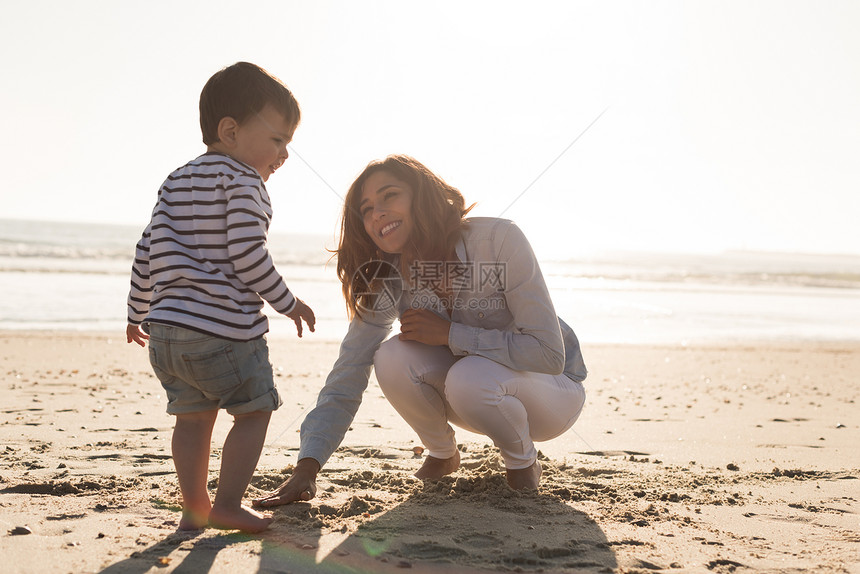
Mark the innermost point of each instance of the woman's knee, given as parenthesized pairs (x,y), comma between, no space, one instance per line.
(399,361)
(471,380)
(387,361)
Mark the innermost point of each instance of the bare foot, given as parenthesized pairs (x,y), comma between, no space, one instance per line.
(242,518)
(524,477)
(438,467)
(193,520)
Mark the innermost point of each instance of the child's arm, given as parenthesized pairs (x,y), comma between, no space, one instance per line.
(140,291)
(301,311)
(248,216)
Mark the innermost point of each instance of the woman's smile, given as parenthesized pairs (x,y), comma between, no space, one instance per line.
(389,228)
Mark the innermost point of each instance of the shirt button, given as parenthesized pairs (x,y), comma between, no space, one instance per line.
(481,315)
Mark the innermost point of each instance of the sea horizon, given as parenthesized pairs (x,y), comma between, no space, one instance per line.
(72,276)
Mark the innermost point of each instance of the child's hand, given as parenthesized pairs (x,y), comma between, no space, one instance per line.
(299,312)
(133,333)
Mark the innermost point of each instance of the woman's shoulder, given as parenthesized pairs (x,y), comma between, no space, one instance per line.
(492,237)
(478,228)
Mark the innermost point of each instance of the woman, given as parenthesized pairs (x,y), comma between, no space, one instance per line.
(480,345)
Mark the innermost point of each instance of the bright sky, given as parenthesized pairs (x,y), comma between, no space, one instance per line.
(724,125)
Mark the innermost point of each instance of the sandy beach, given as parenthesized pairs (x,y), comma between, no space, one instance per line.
(738,458)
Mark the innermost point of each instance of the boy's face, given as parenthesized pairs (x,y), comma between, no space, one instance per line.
(261,141)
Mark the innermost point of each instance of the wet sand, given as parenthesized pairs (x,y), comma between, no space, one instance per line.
(687,459)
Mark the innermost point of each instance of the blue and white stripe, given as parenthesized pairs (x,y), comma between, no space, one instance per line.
(202,262)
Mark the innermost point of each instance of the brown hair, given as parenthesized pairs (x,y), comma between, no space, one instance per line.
(438,210)
(240,90)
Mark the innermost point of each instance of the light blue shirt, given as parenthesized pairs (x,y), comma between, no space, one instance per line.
(501,310)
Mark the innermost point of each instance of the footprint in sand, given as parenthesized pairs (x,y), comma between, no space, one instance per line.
(431,551)
(613,453)
(478,540)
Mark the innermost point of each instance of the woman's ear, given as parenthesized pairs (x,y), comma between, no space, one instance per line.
(227,129)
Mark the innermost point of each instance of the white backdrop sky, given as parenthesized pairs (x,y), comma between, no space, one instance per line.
(727,125)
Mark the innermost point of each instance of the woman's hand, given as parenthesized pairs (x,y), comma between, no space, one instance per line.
(424,326)
(302,485)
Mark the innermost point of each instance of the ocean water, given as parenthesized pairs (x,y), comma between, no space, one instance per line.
(74,277)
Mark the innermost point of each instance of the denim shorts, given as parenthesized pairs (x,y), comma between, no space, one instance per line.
(200,372)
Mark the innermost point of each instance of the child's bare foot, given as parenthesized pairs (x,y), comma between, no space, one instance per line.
(194,519)
(438,467)
(241,518)
(524,477)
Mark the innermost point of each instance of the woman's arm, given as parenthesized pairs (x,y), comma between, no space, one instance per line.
(325,426)
(534,343)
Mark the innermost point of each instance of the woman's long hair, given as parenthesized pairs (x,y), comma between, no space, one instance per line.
(437,215)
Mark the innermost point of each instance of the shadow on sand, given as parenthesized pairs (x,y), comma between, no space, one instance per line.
(382,520)
(179,553)
(450,525)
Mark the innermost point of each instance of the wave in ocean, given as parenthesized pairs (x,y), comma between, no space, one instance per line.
(72,276)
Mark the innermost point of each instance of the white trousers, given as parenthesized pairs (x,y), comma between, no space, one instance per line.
(430,388)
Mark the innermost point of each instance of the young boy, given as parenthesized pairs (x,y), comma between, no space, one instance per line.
(200,275)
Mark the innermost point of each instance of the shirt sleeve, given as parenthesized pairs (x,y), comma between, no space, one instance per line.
(325,426)
(140,293)
(247,226)
(535,343)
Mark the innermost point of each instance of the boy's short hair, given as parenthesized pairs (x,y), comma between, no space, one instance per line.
(240,90)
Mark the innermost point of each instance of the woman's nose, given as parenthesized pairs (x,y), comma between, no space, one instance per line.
(376,212)
(379,211)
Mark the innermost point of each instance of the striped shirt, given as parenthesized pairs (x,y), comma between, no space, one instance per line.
(202,262)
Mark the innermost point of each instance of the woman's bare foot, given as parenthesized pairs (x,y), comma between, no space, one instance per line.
(524,477)
(438,467)
(242,518)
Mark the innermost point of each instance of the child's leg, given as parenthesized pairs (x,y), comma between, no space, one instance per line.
(192,436)
(239,458)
